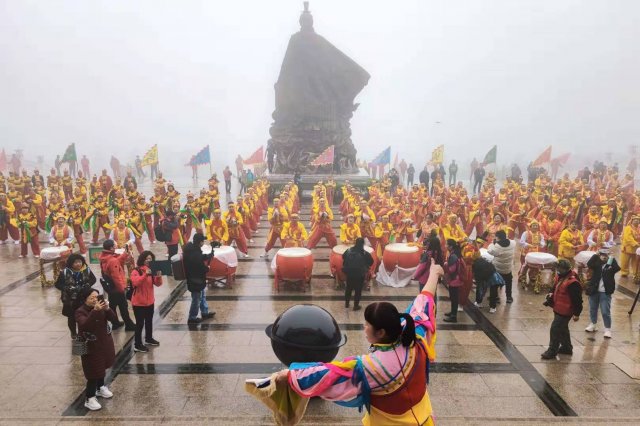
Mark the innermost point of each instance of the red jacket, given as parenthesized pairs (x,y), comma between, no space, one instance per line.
(143,286)
(112,265)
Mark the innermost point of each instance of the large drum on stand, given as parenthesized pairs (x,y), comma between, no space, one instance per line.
(581,259)
(223,266)
(544,267)
(294,265)
(399,262)
(56,255)
(335,264)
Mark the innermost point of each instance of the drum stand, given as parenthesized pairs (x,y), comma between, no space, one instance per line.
(44,282)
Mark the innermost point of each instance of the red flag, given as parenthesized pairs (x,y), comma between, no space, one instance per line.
(562,160)
(256,158)
(325,158)
(3,161)
(544,158)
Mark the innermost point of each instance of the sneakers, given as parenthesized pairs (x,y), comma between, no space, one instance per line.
(264,256)
(104,392)
(607,333)
(591,328)
(477,305)
(92,404)
(152,342)
(208,315)
(245,256)
(509,299)
(20,257)
(492,310)
(194,321)
(450,319)
(357,308)
(140,348)
(460,309)
(565,351)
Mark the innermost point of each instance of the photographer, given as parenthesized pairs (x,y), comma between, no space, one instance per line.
(112,268)
(71,281)
(502,251)
(170,224)
(600,288)
(143,299)
(196,266)
(566,300)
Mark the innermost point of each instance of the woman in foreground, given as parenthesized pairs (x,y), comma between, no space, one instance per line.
(390,382)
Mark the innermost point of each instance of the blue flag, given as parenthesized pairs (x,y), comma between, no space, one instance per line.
(202,157)
(383,158)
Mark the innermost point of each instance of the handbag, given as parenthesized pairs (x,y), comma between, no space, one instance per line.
(80,346)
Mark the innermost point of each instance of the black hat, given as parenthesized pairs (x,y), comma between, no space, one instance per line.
(198,238)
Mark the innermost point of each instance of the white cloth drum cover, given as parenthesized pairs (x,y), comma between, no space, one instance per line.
(399,277)
(540,259)
(583,257)
(51,253)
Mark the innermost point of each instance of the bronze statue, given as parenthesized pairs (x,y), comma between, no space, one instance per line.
(314,103)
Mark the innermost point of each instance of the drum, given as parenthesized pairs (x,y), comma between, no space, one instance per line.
(581,259)
(293,264)
(543,267)
(222,268)
(55,255)
(400,254)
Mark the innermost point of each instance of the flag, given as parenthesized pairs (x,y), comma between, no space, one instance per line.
(151,157)
(69,155)
(3,161)
(491,156)
(561,160)
(437,156)
(202,157)
(255,158)
(544,158)
(326,157)
(395,161)
(383,158)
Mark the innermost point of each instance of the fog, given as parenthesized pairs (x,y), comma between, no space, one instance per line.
(116,77)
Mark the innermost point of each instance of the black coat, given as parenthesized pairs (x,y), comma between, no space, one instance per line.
(195,268)
(607,274)
(424,177)
(356,263)
(70,286)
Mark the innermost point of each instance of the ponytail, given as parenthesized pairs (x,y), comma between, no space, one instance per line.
(409,331)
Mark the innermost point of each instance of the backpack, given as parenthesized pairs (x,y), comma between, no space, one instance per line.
(353,265)
(107,283)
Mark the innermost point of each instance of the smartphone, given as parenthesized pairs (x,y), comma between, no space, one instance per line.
(101,298)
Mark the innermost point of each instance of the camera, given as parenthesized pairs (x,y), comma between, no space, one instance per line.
(216,244)
(548,301)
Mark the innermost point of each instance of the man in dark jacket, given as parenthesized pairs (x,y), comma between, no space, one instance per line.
(196,266)
(356,261)
(478,177)
(112,268)
(600,288)
(170,224)
(424,177)
(566,300)
(410,172)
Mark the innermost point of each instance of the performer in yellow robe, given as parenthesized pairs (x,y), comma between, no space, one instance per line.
(294,233)
(630,243)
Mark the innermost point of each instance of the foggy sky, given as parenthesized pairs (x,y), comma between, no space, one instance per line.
(119,76)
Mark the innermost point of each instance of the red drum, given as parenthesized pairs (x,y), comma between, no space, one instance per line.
(335,262)
(294,264)
(401,254)
(581,260)
(222,269)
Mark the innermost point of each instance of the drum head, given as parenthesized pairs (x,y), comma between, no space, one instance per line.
(584,256)
(206,249)
(340,249)
(369,249)
(540,258)
(294,252)
(401,248)
(224,250)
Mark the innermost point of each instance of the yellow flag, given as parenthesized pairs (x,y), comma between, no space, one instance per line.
(151,157)
(437,156)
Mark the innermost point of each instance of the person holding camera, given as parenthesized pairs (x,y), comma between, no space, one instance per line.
(196,266)
(356,262)
(600,288)
(71,281)
(566,300)
(502,251)
(92,317)
(114,282)
(143,299)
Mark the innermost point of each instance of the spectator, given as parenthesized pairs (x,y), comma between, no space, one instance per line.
(243,181)
(250,178)
(75,277)
(410,172)
(196,266)
(424,177)
(453,172)
(600,288)
(478,177)
(432,250)
(139,170)
(356,261)
(453,273)
(502,251)
(92,317)
(57,163)
(84,162)
(111,265)
(227,179)
(143,300)
(566,300)
(483,272)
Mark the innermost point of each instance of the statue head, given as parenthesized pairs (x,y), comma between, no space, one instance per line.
(306,20)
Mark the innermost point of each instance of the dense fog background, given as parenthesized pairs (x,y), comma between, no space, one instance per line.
(118,76)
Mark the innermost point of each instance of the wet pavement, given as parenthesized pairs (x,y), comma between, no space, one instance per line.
(488,367)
